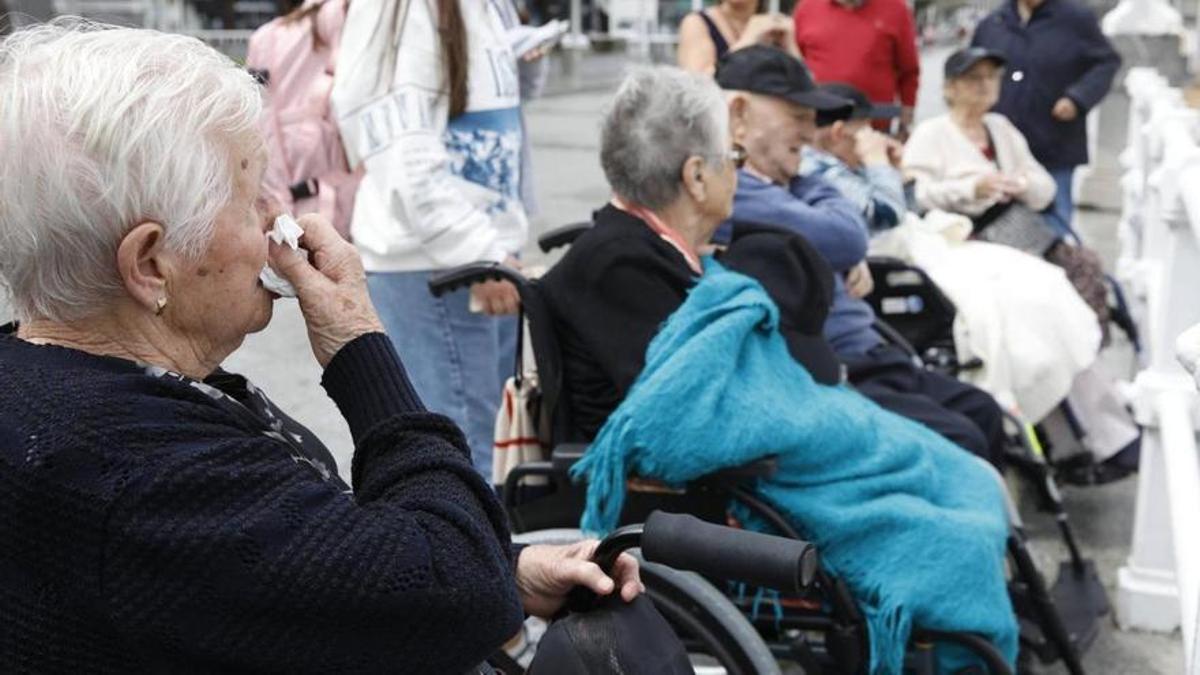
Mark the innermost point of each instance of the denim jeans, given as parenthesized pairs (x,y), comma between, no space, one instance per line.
(1059,214)
(457,360)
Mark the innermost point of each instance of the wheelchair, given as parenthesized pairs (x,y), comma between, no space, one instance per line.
(917,316)
(667,544)
(820,627)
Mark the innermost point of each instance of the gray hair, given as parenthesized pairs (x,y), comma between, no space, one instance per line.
(103,128)
(659,118)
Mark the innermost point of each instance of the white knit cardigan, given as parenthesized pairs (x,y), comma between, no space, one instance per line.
(946,165)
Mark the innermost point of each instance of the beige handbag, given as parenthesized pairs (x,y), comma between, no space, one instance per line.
(519,435)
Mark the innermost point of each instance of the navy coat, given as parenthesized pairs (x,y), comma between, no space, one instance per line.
(1060,52)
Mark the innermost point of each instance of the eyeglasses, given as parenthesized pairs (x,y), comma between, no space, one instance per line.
(737,155)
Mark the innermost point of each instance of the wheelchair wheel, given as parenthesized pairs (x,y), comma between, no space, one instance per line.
(716,634)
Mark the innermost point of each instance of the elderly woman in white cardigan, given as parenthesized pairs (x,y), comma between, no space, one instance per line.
(970,160)
(976,163)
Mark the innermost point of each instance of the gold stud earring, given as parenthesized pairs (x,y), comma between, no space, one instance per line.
(160,306)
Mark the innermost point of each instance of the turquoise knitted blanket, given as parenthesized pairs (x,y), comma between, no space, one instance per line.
(913,524)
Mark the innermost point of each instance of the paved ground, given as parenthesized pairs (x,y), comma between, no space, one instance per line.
(564,129)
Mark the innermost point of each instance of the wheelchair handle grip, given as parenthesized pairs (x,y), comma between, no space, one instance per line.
(686,542)
(562,236)
(472,273)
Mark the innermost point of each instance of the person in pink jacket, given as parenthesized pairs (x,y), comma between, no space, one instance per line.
(295,56)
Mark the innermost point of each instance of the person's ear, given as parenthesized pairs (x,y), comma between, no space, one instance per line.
(694,178)
(145,266)
(739,124)
(838,131)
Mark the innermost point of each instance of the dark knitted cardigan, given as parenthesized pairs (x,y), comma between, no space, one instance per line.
(144,527)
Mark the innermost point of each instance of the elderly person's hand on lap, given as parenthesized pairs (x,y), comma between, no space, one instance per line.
(162,514)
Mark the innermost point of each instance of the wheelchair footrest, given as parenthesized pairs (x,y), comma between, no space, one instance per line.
(1080,600)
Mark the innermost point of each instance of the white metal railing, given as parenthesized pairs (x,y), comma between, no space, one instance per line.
(1159,587)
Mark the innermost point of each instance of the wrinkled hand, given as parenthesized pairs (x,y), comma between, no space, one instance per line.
(859,282)
(545,574)
(497,298)
(991,186)
(1014,186)
(1065,110)
(872,147)
(331,287)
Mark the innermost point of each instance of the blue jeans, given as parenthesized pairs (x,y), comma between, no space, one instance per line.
(457,360)
(1058,215)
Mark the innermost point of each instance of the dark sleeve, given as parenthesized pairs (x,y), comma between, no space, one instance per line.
(1102,65)
(367,381)
(237,555)
(624,296)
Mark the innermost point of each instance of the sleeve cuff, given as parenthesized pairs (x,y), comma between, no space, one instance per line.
(367,382)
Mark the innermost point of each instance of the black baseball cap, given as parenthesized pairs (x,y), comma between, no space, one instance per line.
(766,70)
(963,60)
(799,281)
(861,107)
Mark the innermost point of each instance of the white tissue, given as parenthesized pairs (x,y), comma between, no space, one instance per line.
(285,231)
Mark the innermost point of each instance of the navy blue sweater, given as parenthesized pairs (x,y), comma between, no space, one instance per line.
(817,210)
(1060,52)
(147,528)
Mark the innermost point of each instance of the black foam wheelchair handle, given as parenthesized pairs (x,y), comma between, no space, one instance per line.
(472,273)
(686,542)
(562,236)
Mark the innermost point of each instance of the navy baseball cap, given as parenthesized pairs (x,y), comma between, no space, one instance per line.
(963,60)
(861,107)
(769,71)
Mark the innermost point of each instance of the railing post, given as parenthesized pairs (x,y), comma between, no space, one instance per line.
(1159,586)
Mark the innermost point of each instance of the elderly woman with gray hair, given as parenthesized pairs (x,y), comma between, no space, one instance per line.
(160,514)
(668,157)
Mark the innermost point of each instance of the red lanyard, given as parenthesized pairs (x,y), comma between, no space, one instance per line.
(663,230)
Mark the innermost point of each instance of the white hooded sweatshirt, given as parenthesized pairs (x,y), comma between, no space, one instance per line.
(437,192)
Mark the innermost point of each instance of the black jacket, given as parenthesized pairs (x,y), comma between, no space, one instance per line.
(1060,52)
(609,295)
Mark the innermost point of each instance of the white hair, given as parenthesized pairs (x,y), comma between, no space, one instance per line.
(659,118)
(103,128)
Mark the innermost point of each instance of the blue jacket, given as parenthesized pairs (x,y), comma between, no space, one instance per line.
(1060,52)
(834,225)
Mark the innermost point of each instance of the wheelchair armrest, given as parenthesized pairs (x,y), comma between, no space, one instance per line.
(472,273)
(896,339)
(562,236)
(564,455)
(761,468)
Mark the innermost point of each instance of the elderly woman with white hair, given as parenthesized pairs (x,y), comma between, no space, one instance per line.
(160,514)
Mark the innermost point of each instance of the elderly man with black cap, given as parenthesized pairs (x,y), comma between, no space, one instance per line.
(775,108)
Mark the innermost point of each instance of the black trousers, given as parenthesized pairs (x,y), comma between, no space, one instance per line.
(964,414)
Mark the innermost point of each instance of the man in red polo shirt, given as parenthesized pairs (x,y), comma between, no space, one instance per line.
(870,44)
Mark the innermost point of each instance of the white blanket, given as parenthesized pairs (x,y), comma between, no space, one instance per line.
(1017,313)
